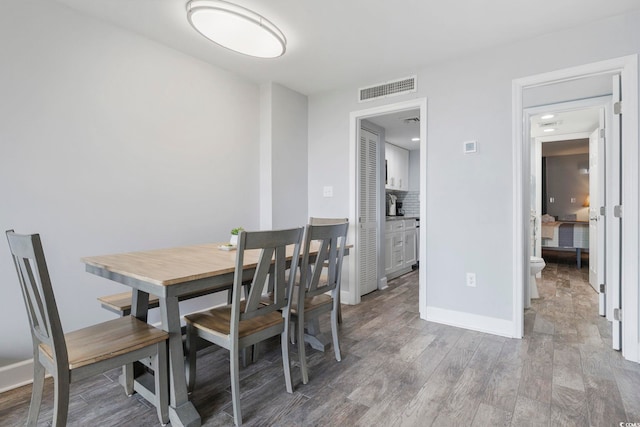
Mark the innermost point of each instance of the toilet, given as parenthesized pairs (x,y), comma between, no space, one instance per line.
(536,265)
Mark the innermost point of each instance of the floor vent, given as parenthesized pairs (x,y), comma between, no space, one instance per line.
(392,88)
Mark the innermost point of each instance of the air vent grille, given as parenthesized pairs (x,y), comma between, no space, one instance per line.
(392,88)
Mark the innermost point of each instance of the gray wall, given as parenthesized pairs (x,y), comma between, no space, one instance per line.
(564,182)
(289,157)
(283,158)
(110,142)
(414,170)
(469,222)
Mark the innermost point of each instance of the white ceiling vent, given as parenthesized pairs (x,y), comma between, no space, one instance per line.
(392,88)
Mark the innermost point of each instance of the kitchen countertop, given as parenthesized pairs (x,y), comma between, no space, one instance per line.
(397,217)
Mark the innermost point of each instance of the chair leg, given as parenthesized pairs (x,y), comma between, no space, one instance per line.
(127,379)
(254,352)
(235,382)
(334,333)
(162,382)
(36,392)
(286,365)
(191,350)
(293,330)
(301,351)
(61,399)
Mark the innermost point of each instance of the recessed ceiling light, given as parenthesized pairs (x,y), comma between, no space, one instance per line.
(549,130)
(415,139)
(236,28)
(547,116)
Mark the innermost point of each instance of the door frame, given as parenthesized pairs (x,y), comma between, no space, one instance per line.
(627,66)
(352,295)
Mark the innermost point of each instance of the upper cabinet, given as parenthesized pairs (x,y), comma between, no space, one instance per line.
(397,167)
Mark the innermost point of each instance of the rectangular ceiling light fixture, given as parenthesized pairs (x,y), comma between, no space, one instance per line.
(391,88)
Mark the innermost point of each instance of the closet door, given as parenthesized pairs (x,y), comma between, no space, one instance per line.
(367,208)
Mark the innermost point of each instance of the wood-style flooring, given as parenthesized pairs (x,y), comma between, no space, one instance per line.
(400,370)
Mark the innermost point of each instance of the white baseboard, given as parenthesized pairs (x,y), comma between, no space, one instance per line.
(474,322)
(16,375)
(345,298)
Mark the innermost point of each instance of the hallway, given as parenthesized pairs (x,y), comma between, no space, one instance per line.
(575,370)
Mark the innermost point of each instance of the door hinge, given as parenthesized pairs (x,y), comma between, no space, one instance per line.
(617,211)
(617,107)
(602,288)
(603,210)
(601,132)
(617,314)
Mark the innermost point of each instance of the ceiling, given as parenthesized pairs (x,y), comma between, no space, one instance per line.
(400,128)
(337,43)
(570,133)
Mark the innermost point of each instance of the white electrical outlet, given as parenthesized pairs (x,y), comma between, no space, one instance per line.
(471,280)
(327,191)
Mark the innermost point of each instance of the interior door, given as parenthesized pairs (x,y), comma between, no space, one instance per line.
(593,208)
(614,222)
(367,210)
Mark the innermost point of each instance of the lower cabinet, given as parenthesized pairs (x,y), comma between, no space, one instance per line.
(400,247)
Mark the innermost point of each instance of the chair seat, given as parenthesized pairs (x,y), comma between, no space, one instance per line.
(107,340)
(217,321)
(313,303)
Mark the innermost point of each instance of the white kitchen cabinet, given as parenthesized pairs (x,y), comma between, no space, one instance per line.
(400,247)
(397,167)
(410,243)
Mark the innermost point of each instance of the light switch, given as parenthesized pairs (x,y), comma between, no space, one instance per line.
(573,200)
(552,200)
(327,191)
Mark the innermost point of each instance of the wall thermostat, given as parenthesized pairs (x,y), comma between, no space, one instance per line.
(470,147)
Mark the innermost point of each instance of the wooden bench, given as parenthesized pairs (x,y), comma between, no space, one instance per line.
(121,303)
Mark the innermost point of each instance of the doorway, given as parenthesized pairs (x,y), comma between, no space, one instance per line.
(627,70)
(570,170)
(353,294)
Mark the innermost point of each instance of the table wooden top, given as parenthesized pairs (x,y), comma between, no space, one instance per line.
(171,266)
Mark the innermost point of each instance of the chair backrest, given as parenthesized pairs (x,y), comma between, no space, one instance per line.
(272,265)
(326,221)
(39,300)
(332,239)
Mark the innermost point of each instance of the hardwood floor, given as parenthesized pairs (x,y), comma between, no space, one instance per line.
(400,370)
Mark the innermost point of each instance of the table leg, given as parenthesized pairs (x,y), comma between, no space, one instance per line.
(314,337)
(579,258)
(181,410)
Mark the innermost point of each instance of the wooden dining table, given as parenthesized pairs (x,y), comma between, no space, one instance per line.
(174,274)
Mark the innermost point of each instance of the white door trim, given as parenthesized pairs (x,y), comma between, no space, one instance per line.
(352,296)
(628,68)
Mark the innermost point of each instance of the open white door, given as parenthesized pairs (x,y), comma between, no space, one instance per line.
(367,209)
(614,222)
(597,227)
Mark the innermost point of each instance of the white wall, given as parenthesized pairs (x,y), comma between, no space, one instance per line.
(110,142)
(469,197)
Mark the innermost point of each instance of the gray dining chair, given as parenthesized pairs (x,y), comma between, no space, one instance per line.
(246,322)
(83,353)
(318,293)
(330,221)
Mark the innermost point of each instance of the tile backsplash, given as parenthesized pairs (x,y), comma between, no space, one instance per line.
(410,201)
